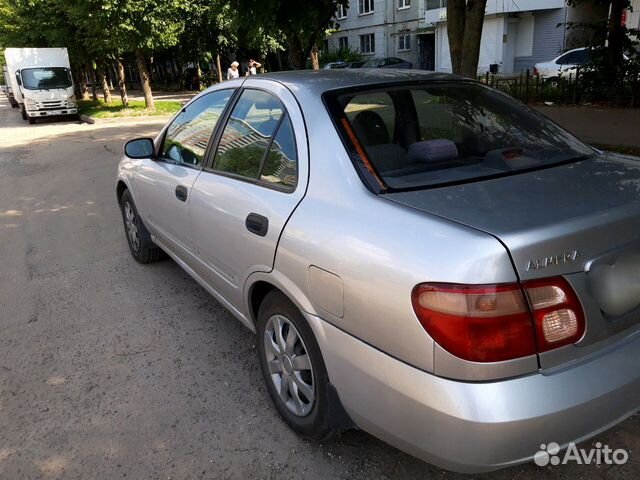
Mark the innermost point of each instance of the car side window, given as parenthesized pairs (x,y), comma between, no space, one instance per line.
(248,134)
(188,135)
(280,167)
(579,57)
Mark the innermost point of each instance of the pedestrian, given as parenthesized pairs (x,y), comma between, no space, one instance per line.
(253,66)
(233,71)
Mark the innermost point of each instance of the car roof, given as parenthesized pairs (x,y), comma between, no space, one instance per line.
(317,82)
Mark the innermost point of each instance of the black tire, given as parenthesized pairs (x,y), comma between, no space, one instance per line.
(316,424)
(32,120)
(23,112)
(144,251)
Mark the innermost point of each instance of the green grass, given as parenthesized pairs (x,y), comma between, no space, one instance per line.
(99,109)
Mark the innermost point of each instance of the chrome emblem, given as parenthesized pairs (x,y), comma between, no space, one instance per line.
(553,260)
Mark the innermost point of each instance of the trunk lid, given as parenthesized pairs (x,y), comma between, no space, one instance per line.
(580,220)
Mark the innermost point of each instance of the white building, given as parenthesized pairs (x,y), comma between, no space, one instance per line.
(516,33)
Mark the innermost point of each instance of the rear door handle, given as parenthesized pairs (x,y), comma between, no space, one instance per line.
(257,224)
(181,193)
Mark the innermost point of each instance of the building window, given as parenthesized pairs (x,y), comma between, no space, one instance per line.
(404,4)
(368,44)
(365,7)
(434,4)
(343,43)
(404,42)
(341,13)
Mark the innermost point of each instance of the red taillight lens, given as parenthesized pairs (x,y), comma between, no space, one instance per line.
(480,323)
(492,323)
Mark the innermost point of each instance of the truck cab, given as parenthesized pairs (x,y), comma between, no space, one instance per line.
(42,80)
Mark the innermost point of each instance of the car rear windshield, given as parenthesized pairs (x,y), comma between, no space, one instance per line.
(426,135)
(45,78)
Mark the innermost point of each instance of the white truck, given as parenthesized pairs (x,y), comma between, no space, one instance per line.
(41,81)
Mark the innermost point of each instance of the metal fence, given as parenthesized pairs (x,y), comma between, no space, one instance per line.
(573,88)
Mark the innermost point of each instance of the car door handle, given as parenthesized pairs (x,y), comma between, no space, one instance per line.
(257,224)
(181,193)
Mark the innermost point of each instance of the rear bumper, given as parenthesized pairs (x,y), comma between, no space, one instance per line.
(48,113)
(477,427)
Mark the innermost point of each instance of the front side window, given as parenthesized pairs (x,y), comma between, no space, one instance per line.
(187,137)
(45,78)
(365,6)
(420,136)
(368,44)
(258,142)
(579,57)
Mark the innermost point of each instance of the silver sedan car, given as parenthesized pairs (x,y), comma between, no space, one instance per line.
(421,256)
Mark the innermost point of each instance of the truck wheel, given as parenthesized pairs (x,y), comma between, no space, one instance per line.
(293,368)
(32,120)
(24,113)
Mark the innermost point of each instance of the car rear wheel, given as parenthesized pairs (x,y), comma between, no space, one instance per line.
(140,244)
(293,367)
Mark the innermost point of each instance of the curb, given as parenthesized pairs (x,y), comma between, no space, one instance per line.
(86,119)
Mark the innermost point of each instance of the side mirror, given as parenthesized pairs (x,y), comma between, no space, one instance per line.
(18,79)
(139,148)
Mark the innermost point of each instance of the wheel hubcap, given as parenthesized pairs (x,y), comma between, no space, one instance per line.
(289,365)
(132,226)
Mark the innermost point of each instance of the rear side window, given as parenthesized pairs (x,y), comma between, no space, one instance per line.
(187,137)
(258,142)
(430,134)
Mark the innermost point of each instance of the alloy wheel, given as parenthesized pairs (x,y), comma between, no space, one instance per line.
(132,226)
(289,365)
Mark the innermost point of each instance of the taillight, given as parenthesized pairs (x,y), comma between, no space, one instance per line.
(492,323)
(557,312)
(535,72)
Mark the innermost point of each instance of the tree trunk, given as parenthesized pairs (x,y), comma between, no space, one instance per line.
(465,19)
(315,61)
(106,91)
(474,21)
(615,37)
(219,67)
(144,79)
(77,82)
(122,83)
(84,90)
(94,85)
(297,56)
(456,13)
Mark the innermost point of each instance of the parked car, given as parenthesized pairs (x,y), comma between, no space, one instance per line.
(419,255)
(389,62)
(335,65)
(564,64)
(341,64)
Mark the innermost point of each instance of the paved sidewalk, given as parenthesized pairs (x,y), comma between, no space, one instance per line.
(600,126)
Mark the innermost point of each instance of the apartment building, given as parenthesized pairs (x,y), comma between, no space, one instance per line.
(516,33)
(380,28)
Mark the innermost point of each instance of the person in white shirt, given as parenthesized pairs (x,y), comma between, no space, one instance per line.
(233,71)
(253,67)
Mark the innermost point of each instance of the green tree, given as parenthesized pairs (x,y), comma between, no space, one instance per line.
(302,26)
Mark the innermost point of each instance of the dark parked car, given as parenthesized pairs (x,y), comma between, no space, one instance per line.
(389,62)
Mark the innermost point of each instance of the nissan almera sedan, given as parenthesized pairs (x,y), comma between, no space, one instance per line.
(420,256)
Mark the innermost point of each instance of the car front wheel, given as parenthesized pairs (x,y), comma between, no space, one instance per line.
(293,367)
(140,244)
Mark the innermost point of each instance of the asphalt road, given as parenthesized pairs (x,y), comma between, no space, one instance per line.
(111,369)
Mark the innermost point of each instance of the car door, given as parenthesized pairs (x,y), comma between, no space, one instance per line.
(163,185)
(256,177)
